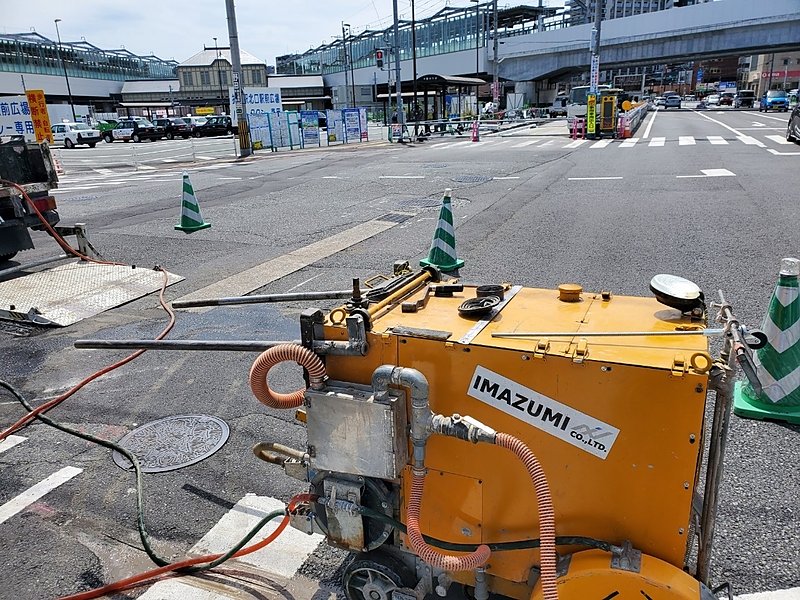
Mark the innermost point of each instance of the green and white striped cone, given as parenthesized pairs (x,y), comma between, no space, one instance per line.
(443,248)
(777,363)
(191,220)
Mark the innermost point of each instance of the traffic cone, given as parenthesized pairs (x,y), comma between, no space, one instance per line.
(191,220)
(443,248)
(778,362)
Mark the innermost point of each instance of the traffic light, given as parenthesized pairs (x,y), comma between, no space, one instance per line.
(379,58)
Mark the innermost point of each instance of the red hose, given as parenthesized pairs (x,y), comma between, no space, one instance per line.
(547,520)
(467,562)
(278,354)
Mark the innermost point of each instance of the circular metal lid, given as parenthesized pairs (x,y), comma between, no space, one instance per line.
(173,442)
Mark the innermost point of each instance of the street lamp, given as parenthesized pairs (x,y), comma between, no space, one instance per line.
(64,65)
(346,68)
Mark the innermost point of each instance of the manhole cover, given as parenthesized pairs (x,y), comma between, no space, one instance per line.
(420,203)
(394,217)
(471,179)
(435,166)
(173,443)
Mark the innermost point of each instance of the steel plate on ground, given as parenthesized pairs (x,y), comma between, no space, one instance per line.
(173,442)
(471,178)
(71,292)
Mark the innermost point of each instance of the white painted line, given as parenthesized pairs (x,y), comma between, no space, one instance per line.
(481,144)
(168,160)
(686,140)
(547,143)
(282,557)
(751,141)
(11,441)
(330,177)
(600,144)
(401,177)
(650,124)
(708,173)
(205,157)
(779,139)
(523,144)
(146,168)
(104,171)
(591,178)
(504,178)
(781,119)
(757,124)
(272,270)
(775,152)
(440,144)
(226,178)
(657,141)
(575,144)
(716,140)
(728,127)
(629,143)
(32,494)
(790,594)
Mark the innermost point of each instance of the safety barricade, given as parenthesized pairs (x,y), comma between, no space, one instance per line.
(578,128)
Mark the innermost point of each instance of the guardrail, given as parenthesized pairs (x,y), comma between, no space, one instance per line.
(629,122)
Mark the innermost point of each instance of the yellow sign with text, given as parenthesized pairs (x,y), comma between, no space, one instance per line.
(204,110)
(41,120)
(591,113)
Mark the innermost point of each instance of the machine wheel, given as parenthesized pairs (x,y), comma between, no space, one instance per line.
(170,136)
(68,144)
(197,134)
(136,139)
(7,257)
(108,139)
(374,576)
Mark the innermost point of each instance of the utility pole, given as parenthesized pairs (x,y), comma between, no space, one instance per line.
(414,68)
(236,61)
(401,119)
(66,77)
(346,66)
(495,65)
(594,72)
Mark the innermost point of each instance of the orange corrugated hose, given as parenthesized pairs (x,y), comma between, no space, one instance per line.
(467,562)
(278,354)
(547,521)
(141,578)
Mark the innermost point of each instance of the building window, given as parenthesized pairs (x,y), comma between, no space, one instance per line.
(205,79)
(256,77)
(187,78)
(223,77)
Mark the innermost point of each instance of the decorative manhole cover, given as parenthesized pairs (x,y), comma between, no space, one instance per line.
(471,179)
(173,443)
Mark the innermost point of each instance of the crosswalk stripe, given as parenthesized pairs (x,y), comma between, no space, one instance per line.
(33,493)
(629,143)
(575,144)
(779,139)
(750,141)
(716,140)
(600,144)
(10,442)
(790,594)
(686,140)
(657,141)
(523,144)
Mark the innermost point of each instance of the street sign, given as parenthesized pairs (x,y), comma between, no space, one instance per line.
(591,113)
(594,80)
(204,110)
(699,75)
(15,117)
(38,111)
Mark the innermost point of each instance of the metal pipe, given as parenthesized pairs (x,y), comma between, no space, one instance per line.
(216,345)
(548,334)
(403,291)
(265,298)
(401,119)
(36,263)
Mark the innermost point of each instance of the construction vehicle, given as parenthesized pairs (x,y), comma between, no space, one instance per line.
(30,165)
(528,443)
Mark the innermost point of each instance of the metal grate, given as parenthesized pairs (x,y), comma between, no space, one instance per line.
(412,203)
(394,217)
(435,166)
(471,179)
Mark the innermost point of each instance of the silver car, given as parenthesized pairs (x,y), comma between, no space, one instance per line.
(672,102)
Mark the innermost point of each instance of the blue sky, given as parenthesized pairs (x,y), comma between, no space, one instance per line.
(178,29)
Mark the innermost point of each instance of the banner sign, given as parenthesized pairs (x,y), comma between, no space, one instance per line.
(310,124)
(591,113)
(15,117)
(258,101)
(352,125)
(38,111)
(362,116)
(335,126)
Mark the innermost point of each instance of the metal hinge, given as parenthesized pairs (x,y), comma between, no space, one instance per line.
(542,346)
(678,365)
(580,352)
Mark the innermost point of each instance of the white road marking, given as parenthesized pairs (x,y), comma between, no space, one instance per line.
(481,144)
(776,153)
(104,171)
(779,139)
(728,127)
(451,144)
(33,493)
(782,119)
(708,173)
(650,124)
(629,143)
(686,140)
(330,177)
(751,141)
(790,594)
(591,178)
(716,140)
(575,144)
(11,441)
(504,178)
(168,160)
(600,144)
(205,157)
(146,168)
(547,143)
(401,177)
(657,141)
(523,144)
(757,124)
(226,178)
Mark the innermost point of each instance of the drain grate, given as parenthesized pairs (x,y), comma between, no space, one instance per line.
(172,443)
(420,203)
(435,166)
(394,217)
(471,179)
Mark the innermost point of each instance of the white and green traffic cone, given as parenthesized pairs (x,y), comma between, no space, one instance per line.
(442,254)
(778,362)
(191,220)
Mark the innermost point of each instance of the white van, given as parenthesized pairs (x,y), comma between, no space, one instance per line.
(559,106)
(72,134)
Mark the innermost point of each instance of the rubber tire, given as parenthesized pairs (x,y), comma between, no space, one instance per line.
(229,132)
(136,139)
(92,144)
(68,144)
(7,257)
(186,137)
(108,139)
(381,562)
(789,136)
(196,134)
(170,135)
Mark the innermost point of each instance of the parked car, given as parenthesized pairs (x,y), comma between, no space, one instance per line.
(793,127)
(215,126)
(659,101)
(559,107)
(136,130)
(174,127)
(673,101)
(745,99)
(194,122)
(726,98)
(72,134)
(712,100)
(774,100)
(689,98)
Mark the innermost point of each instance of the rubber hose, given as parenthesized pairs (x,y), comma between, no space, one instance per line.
(547,520)
(278,354)
(430,555)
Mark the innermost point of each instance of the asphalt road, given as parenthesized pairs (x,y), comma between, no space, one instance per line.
(710,196)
